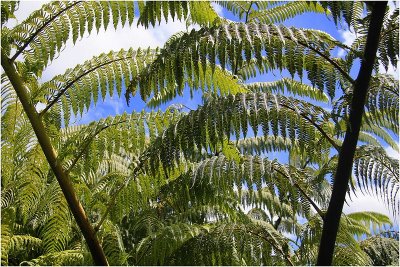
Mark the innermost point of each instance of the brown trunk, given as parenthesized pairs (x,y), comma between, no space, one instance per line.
(346,154)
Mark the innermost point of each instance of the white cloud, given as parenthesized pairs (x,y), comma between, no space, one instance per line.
(348,38)
(218,9)
(392,153)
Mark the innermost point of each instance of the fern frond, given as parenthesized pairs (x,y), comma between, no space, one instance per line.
(378,174)
(341,10)
(371,219)
(210,124)
(290,48)
(56,230)
(238,8)
(382,105)
(156,248)
(65,257)
(47,30)
(24,242)
(285,11)
(112,244)
(78,87)
(212,82)
(7,10)
(264,144)
(382,251)
(378,131)
(200,12)
(291,86)
(388,51)
(7,223)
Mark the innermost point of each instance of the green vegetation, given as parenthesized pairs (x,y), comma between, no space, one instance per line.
(200,187)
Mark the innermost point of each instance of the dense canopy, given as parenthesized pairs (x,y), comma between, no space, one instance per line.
(257,174)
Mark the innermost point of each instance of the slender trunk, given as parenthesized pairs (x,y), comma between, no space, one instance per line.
(346,154)
(51,156)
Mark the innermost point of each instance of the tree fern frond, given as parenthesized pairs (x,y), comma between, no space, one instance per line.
(382,105)
(126,135)
(294,87)
(65,257)
(24,242)
(238,8)
(55,232)
(388,51)
(7,10)
(285,11)
(373,129)
(156,248)
(264,144)
(371,219)
(341,10)
(112,243)
(210,124)
(382,251)
(302,49)
(378,174)
(7,223)
(201,13)
(78,87)
(212,81)
(47,30)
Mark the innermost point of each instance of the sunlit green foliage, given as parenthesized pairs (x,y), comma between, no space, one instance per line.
(205,186)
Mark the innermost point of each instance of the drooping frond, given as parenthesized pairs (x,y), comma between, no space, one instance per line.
(55,232)
(264,144)
(380,132)
(381,250)
(226,116)
(7,225)
(7,10)
(347,251)
(289,85)
(383,101)
(388,51)
(378,174)
(222,175)
(213,82)
(43,34)
(240,8)
(382,105)
(19,243)
(156,248)
(348,10)
(232,243)
(280,13)
(200,12)
(112,244)
(370,219)
(128,133)
(291,48)
(8,95)
(78,87)
(65,257)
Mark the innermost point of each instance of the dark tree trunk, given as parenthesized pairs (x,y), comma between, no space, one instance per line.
(346,154)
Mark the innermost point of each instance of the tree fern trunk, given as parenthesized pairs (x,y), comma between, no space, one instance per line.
(346,154)
(61,175)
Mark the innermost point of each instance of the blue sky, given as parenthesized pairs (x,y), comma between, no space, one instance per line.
(136,37)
